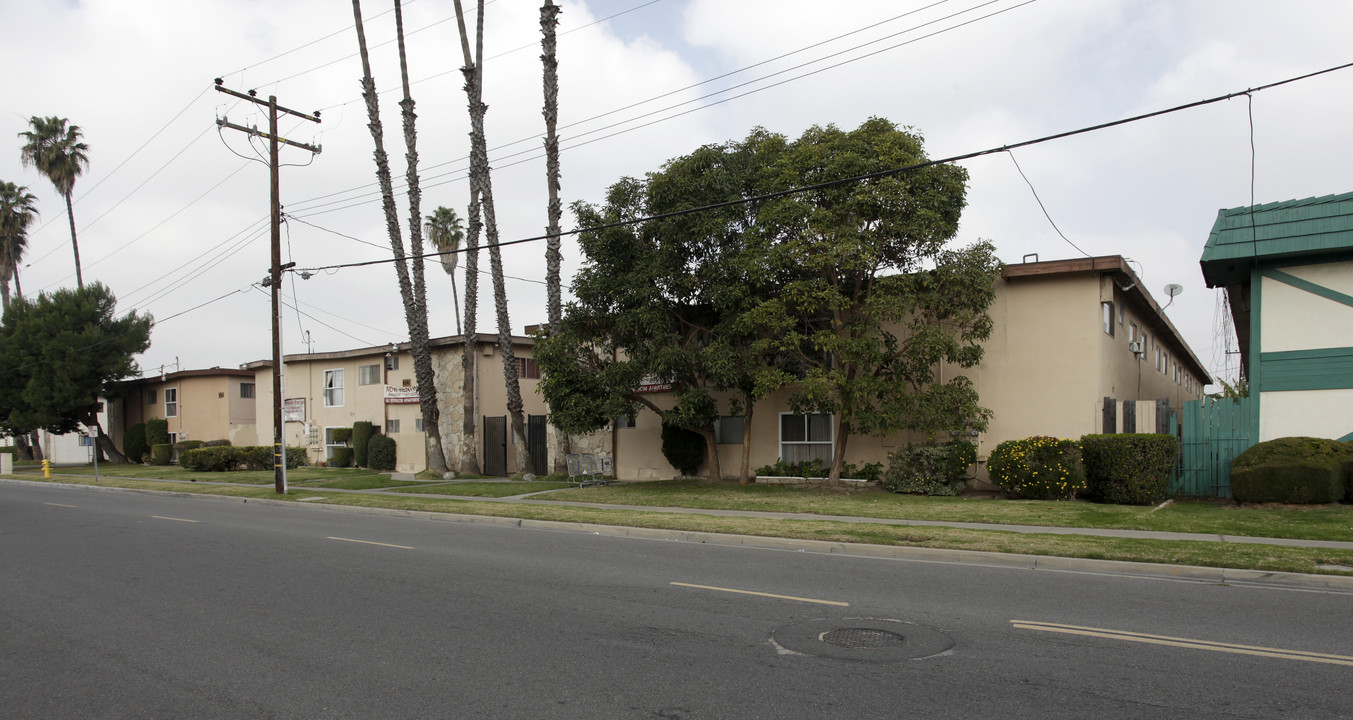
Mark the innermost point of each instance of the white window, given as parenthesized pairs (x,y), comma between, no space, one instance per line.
(418,425)
(369,374)
(624,421)
(333,388)
(728,430)
(528,369)
(391,362)
(1166,365)
(1132,333)
(391,427)
(1108,318)
(171,402)
(805,437)
(247,390)
(330,443)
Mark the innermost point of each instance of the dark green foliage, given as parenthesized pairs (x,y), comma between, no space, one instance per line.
(1128,468)
(807,469)
(160,453)
(361,435)
(1293,482)
(134,444)
(1038,468)
(217,443)
(61,351)
(1292,470)
(342,434)
(868,471)
(930,469)
(184,445)
(224,458)
(157,431)
(9,450)
(684,449)
(380,452)
(342,457)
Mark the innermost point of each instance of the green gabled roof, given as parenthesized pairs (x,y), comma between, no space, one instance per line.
(1292,228)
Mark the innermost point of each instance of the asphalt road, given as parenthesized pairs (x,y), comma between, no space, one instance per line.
(128,605)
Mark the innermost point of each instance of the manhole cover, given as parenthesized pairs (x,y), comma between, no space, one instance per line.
(862,638)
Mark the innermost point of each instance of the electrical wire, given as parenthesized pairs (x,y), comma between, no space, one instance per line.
(1041,206)
(321,322)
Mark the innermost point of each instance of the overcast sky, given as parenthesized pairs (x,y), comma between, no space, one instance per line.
(172,214)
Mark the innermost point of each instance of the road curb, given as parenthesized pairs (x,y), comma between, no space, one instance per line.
(1189,573)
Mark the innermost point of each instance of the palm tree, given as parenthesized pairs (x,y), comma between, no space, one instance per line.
(554,310)
(444,231)
(54,148)
(18,209)
(481,194)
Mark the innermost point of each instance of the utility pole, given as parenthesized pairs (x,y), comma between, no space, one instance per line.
(275,272)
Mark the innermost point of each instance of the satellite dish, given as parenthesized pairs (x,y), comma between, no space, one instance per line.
(1173,289)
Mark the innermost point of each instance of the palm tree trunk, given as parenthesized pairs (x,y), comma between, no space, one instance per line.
(455,300)
(414,316)
(469,359)
(479,165)
(70,214)
(4,291)
(554,310)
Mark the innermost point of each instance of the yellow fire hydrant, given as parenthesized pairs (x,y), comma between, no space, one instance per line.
(46,468)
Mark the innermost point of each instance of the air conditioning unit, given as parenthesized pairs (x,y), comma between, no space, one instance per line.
(1136,348)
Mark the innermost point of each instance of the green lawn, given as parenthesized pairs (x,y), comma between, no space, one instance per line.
(248,477)
(482,489)
(1322,522)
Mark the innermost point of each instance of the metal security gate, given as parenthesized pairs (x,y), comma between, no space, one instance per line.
(1212,434)
(495,446)
(536,447)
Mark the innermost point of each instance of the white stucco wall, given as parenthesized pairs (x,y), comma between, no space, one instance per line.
(1294,319)
(1309,413)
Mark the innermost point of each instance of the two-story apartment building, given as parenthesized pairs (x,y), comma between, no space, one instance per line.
(212,404)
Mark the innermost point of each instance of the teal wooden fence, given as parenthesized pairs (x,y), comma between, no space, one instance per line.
(1212,433)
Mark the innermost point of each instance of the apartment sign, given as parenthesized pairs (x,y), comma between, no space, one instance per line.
(401,395)
(652,384)
(293,410)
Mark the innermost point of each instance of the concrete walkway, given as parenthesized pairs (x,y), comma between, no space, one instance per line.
(534,499)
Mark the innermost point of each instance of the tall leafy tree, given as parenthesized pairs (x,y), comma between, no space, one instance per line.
(53,147)
(59,353)
(875,302)
(445,232)
(481,193)
(18,210)
(411,290)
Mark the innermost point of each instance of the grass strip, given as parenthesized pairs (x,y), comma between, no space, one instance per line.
(478,489)
(1208,554)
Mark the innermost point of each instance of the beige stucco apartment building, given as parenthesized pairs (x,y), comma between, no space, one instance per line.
(1070,338)
(213,404)
(325,391)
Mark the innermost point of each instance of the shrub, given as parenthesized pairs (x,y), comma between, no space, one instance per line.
(361,435)
(342,434)
(1292,470)
(217,443)
(134,444)
(807,469)
(867,471)
(380,452)
(930,469)
(160,453)
(215,458)
(1129,468)
(684,449)
(183,446)
(342,457)
(157,431)
(1038,468)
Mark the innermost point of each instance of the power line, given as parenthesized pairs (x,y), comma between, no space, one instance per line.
(881,173)
(1040,205)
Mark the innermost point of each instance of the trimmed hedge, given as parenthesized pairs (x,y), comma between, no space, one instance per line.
(1038,468)
(1128,468)
(157,432)
(342,434)
(930,469)
(217,443)
(134,444)
(342,457)
(183,446)
(224,458)
(380,452)
(1297,470)
(361,435)
(684,449)
(161,453)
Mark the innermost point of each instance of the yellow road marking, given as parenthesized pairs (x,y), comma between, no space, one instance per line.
(161,517)
(59,505)
(368,542)
(761,594)
(1170,641)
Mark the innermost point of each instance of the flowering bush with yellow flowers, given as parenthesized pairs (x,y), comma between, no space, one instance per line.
(1038,468)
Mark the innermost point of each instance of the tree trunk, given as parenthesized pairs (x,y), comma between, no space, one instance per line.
(711,452)
(554,304)
(105,443)
(35,445)
(70,213)
(838,451)
(25,450)
(415,314)
(4,292)
(469,448)
(479,166)
(744,476)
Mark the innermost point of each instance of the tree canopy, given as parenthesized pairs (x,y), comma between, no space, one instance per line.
(847,293)
(59,352)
